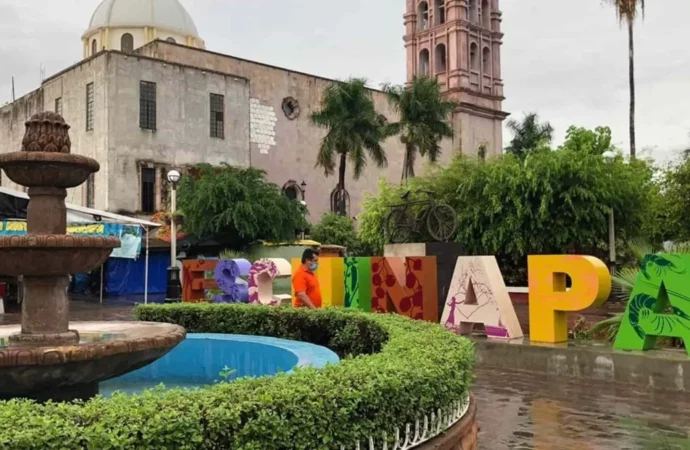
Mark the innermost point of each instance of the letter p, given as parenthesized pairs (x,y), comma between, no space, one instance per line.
(549,300)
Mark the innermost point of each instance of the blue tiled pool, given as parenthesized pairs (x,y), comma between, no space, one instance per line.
(201,358)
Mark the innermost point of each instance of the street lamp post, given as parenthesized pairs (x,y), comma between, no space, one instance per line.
(304,204)
(174,288)
(610,156)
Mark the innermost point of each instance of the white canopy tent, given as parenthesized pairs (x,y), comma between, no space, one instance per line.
(80,214)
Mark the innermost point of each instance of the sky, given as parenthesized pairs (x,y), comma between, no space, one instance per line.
(563,59)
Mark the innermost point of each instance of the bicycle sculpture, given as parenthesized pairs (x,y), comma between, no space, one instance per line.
(439,218)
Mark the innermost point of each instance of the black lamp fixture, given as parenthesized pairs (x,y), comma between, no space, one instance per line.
(304,188)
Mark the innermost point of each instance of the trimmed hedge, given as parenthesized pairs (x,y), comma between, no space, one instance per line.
(395,370)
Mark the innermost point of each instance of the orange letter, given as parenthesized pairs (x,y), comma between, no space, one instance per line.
(549,300)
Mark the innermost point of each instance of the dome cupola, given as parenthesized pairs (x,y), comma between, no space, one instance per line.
(129,24)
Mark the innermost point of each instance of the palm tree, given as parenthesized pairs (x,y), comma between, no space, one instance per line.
(354,129)
(528,135)
(627,12)
(424,119)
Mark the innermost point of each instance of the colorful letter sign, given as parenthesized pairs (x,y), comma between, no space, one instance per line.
(478,294)
(358,283)
(659,304)
(406,286)
(549,300)
(261,277)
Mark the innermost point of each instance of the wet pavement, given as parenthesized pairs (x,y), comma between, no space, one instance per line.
(521,410)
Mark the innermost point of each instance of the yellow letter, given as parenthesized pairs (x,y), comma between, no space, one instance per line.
(549,300)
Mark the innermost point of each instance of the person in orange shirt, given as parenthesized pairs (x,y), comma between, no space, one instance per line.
(305,283)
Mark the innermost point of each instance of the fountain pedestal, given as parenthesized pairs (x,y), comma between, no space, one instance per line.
(45,313)
(45,360)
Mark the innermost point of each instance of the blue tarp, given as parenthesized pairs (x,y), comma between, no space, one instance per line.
(126,276)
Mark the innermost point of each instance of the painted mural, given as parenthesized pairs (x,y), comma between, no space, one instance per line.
(478,295)
(659,304)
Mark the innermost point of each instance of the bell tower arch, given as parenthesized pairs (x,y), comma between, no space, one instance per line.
(459,42)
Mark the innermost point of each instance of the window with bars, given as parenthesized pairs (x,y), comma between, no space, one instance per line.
(58,105)
(148,190)
(89,107)
(217,116)
(90,191)
(147,105)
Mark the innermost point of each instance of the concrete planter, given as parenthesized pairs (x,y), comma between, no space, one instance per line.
(461,436)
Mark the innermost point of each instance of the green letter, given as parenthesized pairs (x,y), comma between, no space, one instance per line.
(659,304)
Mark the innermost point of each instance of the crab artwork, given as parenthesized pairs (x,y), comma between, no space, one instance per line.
(659,304)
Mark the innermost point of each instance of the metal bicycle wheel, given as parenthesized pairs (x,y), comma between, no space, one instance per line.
(441,223)
(399,226)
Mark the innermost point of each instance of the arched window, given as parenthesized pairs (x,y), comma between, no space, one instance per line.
(340,202)
(293,191)
(423,16)
(486,61)
(424,63)
(440,58)
(171,39)
(473,11)
(94,47)
(474,57)
(439,12)
(127,43)
(486,14)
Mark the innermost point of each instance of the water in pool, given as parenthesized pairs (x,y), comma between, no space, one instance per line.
(205,359)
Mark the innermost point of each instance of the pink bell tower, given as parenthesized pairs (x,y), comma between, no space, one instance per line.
(459,42)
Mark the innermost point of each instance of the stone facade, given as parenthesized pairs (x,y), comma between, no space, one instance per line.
(266,109)
(459,42)
(116,140)
(286,146)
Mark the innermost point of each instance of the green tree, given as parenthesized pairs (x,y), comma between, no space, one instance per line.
(676,191)
(335,229)
(237,206)
(583,140)
(550,202)
(628,11)
(529,135)
(354,129)
(424,120)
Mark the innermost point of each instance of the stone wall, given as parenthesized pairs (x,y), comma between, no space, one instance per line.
(182,136)
(287,148)
(70,86)
(12,118)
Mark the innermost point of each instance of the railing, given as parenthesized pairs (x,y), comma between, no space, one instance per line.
(423,431)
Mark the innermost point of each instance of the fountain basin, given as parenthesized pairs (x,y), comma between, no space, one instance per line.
(203,359)
(53,255)
(106,350)
(39,169)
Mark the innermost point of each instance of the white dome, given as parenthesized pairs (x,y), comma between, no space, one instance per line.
(165,14)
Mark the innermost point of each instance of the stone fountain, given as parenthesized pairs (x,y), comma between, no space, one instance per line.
(47,358)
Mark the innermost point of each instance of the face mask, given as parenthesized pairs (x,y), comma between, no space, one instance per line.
(313,267)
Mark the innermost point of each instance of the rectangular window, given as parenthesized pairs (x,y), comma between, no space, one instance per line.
(58,105)
(217,116)
(148,190)
(90,191)
(147,105)
(89,107)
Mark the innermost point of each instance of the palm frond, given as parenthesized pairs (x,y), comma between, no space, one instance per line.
(624,282)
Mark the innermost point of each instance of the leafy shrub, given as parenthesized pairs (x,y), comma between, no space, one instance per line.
(420,367)
(335,229)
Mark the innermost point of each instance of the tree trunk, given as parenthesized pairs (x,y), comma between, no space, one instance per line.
(408,165)
(631,57)
(340,197)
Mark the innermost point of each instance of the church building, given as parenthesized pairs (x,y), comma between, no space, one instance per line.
(149,96)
